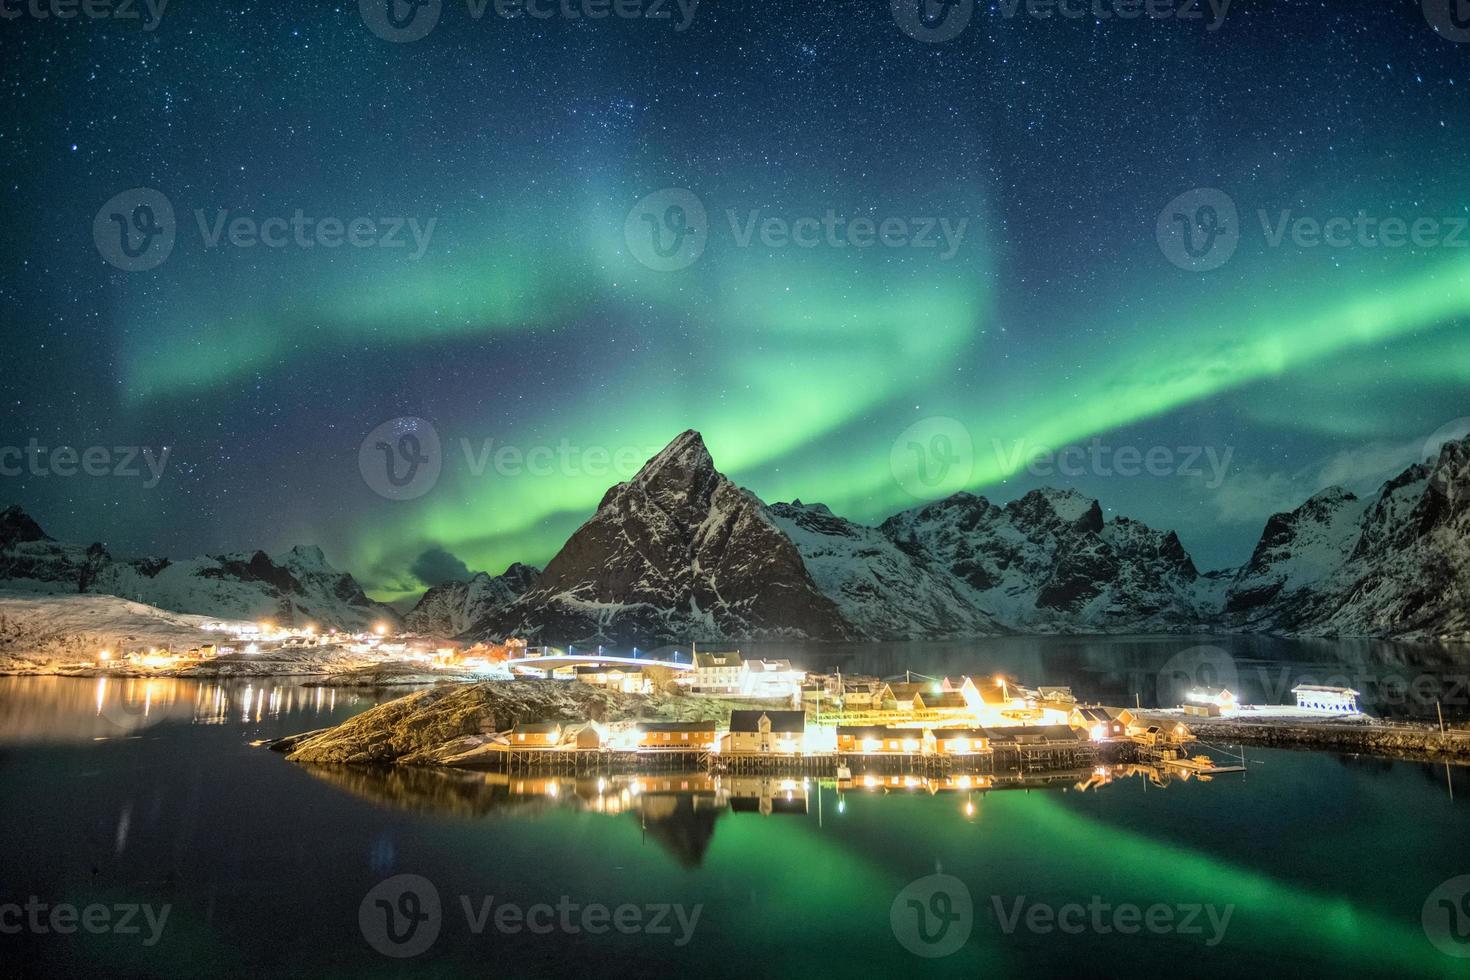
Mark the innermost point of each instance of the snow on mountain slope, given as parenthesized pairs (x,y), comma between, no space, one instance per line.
(1398,565)
(297,587)
(1296,551)
(885,592)
(451,608)
(1048,561)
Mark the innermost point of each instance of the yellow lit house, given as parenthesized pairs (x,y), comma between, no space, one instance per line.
(1101,722)
(692,735)
(765,732)
(883,739)
(961,741)
(536,735)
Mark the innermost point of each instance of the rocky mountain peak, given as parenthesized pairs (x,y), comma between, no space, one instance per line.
(679,552)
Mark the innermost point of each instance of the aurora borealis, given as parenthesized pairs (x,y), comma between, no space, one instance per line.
(528,322)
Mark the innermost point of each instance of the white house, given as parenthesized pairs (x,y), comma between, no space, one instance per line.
(719,673)
(1315,697)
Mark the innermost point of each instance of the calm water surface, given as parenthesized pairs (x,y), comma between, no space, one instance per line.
(151,792)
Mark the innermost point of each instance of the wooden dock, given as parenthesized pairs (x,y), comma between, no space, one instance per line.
(1009,758)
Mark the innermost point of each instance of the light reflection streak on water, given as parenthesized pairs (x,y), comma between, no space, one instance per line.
(110,707)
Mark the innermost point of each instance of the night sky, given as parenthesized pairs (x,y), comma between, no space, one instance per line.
(535,315)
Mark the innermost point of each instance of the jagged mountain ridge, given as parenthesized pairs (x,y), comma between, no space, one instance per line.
(451,608)
(1397,564)
(1048,561)
(885,592)
(680,553)
(298,586)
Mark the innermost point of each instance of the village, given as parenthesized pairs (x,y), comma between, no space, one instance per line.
(774,717)
(836,724)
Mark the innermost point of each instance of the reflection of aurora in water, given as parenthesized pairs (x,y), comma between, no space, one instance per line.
(1325,860)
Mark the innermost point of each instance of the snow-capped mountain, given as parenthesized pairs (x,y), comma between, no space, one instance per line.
(885,592)
(452,608)
(1395,565)
(678,553)
(1049,562)
(297,587)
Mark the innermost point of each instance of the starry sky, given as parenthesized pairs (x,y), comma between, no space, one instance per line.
(536,157)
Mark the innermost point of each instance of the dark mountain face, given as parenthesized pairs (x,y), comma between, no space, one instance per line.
(16,526)
(677,553)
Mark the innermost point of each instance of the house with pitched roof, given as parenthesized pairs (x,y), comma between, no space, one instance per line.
(765,732)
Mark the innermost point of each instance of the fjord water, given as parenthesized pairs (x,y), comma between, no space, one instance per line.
(151,792)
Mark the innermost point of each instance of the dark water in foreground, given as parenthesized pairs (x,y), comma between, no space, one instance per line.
(149,793)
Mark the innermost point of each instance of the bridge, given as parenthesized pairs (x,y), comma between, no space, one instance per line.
(553,661)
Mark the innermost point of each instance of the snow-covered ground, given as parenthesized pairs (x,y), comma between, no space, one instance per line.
(67,634)
(53,633)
